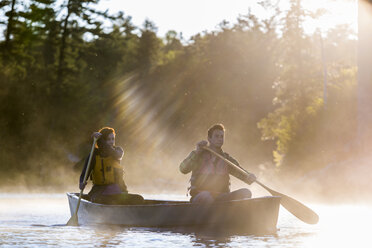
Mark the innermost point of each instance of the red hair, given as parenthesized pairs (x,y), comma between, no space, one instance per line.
(105,131)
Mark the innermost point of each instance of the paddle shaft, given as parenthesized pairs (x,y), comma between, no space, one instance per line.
(235,166)
(293,206)
(75,216)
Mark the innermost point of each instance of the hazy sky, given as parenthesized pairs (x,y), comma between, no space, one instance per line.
(194,16)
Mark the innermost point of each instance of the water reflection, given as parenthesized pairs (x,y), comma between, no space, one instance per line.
(208,241)
(107,237)
(39,221)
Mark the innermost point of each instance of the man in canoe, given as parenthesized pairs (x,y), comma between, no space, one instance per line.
(210,180)
(107,173)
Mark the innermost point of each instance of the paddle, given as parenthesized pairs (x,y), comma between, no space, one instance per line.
(293,206)
(73,221)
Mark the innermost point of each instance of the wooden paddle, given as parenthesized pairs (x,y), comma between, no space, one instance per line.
(74,221)
(293,206)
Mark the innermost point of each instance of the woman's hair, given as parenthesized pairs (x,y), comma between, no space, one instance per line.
(105,131)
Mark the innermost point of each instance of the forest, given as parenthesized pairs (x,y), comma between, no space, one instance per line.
(287,98)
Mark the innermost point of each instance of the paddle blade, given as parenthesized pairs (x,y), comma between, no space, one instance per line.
(294,207)
(299,210)
(73,221)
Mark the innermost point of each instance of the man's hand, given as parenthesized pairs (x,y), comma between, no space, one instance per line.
(82,185)
(250,178)
(96,135)
(200,145)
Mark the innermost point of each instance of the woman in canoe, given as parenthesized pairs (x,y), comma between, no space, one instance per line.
(106,172)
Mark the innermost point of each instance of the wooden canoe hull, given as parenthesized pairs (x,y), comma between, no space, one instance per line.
(255,215)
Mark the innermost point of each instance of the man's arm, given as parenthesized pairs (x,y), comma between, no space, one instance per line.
(245,177)
(192,161)
(189,163)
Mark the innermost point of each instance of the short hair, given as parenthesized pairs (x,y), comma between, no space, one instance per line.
(105,131)
(215,127)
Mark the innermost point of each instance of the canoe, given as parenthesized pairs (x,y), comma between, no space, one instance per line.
(254,215)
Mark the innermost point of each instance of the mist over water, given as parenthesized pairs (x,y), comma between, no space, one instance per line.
(37,220)
(239,75)
(266,89)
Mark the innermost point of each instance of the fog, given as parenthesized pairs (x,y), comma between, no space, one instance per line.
(300,129)
(154,149)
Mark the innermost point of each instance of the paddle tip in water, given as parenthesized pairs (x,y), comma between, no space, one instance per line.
(73,221)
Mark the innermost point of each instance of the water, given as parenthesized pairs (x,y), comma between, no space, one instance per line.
(38,220)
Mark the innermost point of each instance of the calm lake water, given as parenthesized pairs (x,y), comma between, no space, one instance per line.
(38,220)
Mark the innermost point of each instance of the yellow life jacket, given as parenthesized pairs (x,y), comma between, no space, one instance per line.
(104,170)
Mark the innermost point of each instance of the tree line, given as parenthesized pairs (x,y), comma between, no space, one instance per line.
(65,72)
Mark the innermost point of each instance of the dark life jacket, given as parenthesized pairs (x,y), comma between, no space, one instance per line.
(211,175)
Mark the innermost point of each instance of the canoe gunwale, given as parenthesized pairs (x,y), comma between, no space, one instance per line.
(168,202)
(253,215)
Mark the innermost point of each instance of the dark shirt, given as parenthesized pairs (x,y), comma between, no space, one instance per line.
(193,161)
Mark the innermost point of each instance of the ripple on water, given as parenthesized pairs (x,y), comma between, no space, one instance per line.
(39,221)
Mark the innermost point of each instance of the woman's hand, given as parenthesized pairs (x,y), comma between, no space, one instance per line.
(96,135)
(82,185)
